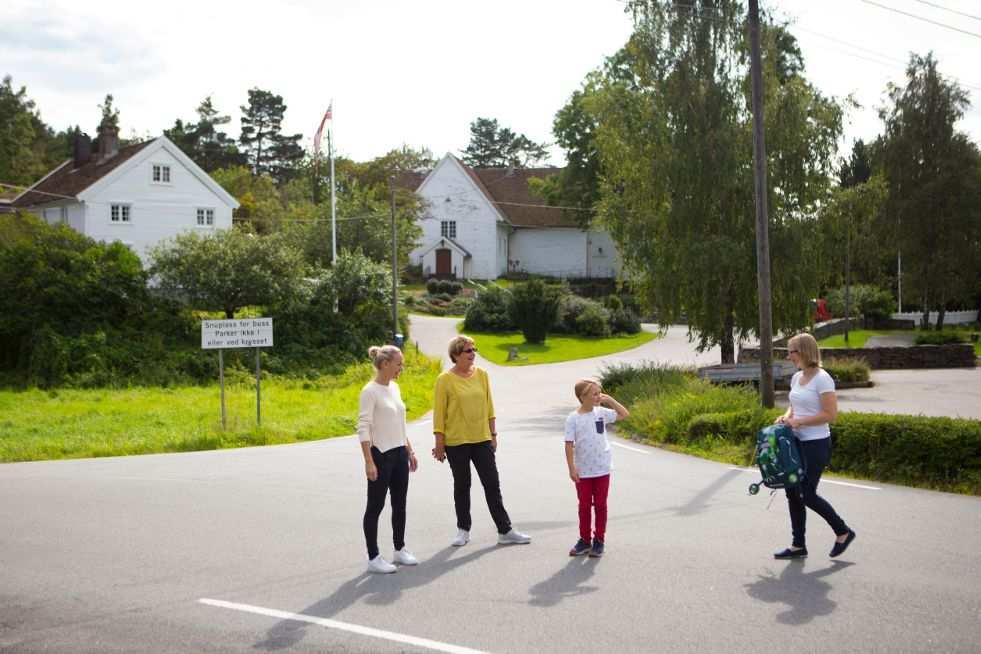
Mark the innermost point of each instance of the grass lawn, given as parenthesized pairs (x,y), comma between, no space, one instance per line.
(75,423)
(557,347)
(858,338)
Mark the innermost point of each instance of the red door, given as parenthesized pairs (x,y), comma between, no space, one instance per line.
(444,263)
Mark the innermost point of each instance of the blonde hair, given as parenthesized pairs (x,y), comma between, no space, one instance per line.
(381,354)
(807,349)
(457,345)
(584,384)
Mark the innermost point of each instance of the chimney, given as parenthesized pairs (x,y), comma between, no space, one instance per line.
(108,141)
(81,150)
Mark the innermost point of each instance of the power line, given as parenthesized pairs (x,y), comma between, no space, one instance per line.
(18,187)
(953,11)
(925,20)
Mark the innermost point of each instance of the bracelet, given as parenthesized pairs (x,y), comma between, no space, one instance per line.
(493,434)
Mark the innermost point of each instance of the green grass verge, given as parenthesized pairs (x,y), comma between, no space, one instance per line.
(859,337)
(557,347)
(63,424)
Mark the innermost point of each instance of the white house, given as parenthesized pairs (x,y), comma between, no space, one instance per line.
(482,223)
(138,194)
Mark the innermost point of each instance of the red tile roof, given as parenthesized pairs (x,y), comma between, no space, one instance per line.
(70,181)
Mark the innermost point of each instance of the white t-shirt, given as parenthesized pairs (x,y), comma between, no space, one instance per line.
(592,454)
(381,416)
(806,401)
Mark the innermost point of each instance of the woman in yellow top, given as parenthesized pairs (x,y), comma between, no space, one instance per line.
(466,431)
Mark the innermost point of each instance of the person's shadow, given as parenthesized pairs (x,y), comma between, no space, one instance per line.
(373,588)
(567,582)
(804,593)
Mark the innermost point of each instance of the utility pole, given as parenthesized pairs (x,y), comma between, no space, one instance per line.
(395,270)
(848,277)
(762,221)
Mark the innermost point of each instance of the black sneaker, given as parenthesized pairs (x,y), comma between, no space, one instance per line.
(581,547)
(597,550)
(791,554)
(839,548)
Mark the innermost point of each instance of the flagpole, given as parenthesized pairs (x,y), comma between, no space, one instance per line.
(333,197)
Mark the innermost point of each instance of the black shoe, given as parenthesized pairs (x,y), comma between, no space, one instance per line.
(597,549)
(791,554)
(840,548)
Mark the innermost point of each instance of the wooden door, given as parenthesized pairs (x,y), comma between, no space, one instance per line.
(444,263)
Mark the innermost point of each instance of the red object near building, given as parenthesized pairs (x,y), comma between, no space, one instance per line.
(821,313)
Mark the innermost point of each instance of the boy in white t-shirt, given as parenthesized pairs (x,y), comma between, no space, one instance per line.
(587,452)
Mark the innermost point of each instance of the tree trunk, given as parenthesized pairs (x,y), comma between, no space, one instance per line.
(728,342)
(925,319)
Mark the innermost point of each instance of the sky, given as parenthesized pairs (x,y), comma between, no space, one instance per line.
(417,73)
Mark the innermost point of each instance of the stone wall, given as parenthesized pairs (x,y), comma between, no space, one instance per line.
(956,355)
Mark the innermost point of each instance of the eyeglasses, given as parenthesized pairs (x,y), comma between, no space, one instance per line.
(470,350)
(793,351)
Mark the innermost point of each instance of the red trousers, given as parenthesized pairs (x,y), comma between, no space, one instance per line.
(592,493)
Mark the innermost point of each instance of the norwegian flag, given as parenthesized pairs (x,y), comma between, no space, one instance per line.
(320,130)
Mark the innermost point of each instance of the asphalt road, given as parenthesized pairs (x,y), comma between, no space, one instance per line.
(260,550)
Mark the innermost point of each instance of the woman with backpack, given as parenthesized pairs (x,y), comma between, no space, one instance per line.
(813,407)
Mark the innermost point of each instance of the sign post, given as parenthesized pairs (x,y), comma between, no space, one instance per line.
(224,334)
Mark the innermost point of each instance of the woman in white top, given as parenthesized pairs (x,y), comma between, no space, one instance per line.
(813,406)
(388,455)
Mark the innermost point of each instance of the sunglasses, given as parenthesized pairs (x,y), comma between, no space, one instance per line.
(470,350)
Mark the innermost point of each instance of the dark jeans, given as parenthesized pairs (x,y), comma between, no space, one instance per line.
(393,475)
(482,456)
(816,455)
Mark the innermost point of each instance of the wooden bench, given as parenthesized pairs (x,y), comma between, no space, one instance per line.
(742,373)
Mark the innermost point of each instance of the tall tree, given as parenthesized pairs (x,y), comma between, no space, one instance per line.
(267,149)
(932,173)
(674,138)
(493,146)
(857,169)
(110,114)
(19,161)
(204,142)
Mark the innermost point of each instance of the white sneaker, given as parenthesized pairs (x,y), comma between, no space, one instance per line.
(380,566)
(513,538)
(462,538)
(405,557)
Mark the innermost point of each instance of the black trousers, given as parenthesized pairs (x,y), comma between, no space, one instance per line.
(484,461)
(393,475)
(816,455)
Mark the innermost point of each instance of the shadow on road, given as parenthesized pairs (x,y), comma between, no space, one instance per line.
(804,593)
(373,589)
(567,582)
(699,502)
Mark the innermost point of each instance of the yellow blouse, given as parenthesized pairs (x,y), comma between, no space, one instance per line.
(463,407)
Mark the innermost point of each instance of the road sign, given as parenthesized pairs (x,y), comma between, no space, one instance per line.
(249,332)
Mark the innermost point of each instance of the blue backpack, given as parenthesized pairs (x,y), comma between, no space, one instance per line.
(779,459)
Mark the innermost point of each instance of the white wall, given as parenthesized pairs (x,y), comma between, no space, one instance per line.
(950,317)
(158,211)
(452,195)
(562,252)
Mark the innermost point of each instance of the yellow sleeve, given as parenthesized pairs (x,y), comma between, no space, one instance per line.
(440,399)
(490,398)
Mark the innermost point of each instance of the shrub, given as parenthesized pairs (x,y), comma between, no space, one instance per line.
(570,308)
(631,383)
(624,321)
(932,337)
(593,321)
(941,453)
(847,369)
(490,311)
(869,301)
(432,286)
(535,309)
(449,287)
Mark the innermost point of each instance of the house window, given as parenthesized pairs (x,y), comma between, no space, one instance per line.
(447,228)
(119,213)
(206,217)
(161,174)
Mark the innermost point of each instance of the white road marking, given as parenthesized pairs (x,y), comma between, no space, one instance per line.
(627,447)
(343,626)
(823,480)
